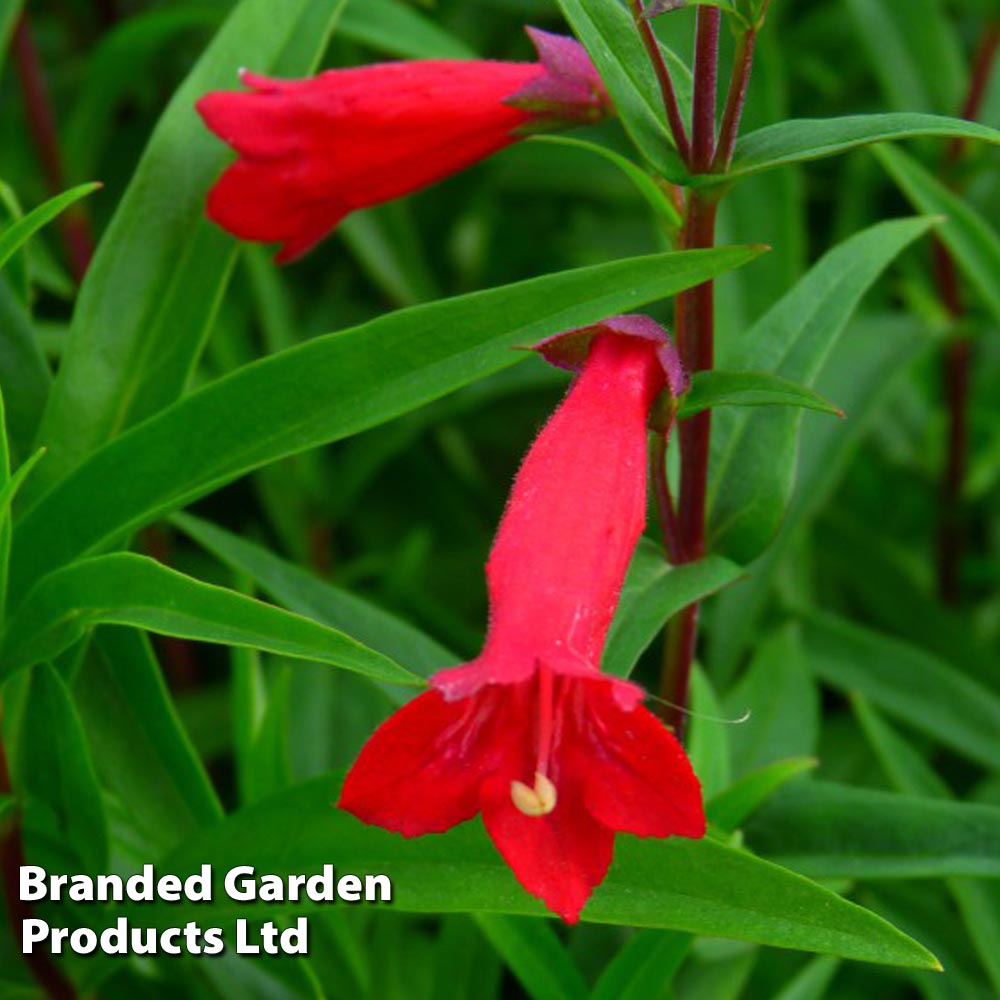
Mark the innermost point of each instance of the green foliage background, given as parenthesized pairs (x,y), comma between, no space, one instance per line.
(194,409)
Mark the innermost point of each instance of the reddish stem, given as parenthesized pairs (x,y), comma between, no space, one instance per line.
(982,68)
(706,82)
(669,527)
(735,100)
(695,327)
(42,124)
(664,79)
(695,324)
(958,355)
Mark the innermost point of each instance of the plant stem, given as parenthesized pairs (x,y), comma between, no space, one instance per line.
(73,224)
(669,527)
(735,99)
(706,77)
(982,68)
(695,327)
(958,354)
(670,103)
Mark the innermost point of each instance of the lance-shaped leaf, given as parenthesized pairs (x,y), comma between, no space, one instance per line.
(828,830)
(700,887)
(327,389)
(654,591)
(161,266)
(306,594)
(64,809)
(813,138)
(753,456)
(127,589)
(951,708)
(973,242)
(724,388)
(18,233)
(609,36)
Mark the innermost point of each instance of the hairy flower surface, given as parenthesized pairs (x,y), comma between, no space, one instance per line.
(555,755)
(313,150)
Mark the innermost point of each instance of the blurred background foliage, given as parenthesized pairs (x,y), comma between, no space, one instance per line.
(841,641)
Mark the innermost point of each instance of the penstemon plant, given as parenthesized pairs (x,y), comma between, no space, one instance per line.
(274,623)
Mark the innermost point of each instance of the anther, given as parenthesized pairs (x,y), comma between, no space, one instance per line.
(537,801)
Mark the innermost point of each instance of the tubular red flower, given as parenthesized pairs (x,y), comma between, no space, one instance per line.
(557,756)
(313,150)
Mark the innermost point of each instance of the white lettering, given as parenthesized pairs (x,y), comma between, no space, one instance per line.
(33,930)
(240,891)
(384,894)
(349,888)
(32,884)
(198,888)
(243,947)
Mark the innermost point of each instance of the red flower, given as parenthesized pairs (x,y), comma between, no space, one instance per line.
(556,755)
(311,151)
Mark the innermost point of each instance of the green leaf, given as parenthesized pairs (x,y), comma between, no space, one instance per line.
(330,388)
(126,589)
(654,591)
(723,974)
(663,208)
(813,138)
(978,901)
(863,370)
(18,233)
(897,594)
(63,805)
(155,283)
(305,594)
(534,953)
(952,709)
(730,807)
(7,493)
(644,967)
(726,388)
(700,887)
(118,62)
(9,11)
(904,767)
(902,41)
(398,30)
(974,244)
(10,488)
(466,964)
(812,982)
(838,831)
(708,740)
(781,701)
(609,36)
(24,374)
(141,750)
(752,465)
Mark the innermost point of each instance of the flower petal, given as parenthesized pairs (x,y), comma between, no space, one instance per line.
(421,770)
(559,857)
(637,778)
(251,201)
(315,149)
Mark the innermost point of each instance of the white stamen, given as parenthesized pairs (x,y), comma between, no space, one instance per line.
(537,801)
